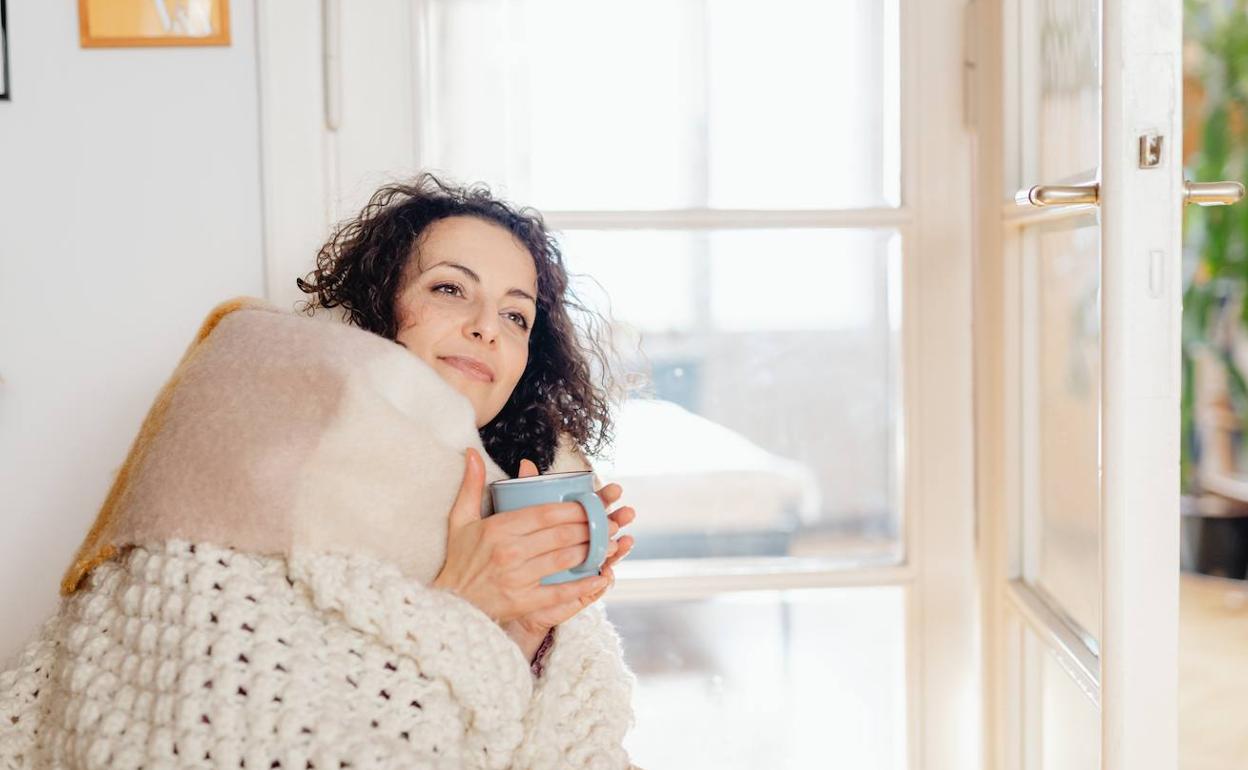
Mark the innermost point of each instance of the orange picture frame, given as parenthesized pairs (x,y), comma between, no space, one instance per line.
(127,23)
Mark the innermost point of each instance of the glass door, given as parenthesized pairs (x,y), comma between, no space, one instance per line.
(1079,318)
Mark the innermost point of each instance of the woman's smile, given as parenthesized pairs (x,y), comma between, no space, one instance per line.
(471,367)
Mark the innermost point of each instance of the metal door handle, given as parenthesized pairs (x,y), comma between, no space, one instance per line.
(1199,193)
(1212,193)
(1059,195)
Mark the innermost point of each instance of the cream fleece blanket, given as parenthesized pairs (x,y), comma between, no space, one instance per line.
(279,432)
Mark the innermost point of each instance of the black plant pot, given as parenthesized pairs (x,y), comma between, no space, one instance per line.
(1215,545)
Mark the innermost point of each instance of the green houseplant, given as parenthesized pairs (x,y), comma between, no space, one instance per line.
(1214,405)
(1216,238)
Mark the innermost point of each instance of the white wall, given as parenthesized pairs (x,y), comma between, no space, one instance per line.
(129,205)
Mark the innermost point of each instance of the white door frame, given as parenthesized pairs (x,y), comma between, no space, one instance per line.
(301,192)
(1140,519)
(1142,90)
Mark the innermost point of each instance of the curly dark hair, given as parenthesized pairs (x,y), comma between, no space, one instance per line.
(362,270)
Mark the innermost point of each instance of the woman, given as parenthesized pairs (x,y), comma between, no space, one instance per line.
(292,569)
(476,289)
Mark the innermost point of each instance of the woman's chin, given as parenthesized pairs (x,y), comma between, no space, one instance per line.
(483,414)
(472,389)
(465,389)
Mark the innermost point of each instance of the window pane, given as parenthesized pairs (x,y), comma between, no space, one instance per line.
(773,426)
(798,679)
(1061,119)
(1063,723)
(659,104)
(1062,402)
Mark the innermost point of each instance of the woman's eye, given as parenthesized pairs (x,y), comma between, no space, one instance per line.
(453,289)
(519,320)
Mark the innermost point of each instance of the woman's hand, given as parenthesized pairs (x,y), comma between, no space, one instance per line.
(497,563)
(530,630)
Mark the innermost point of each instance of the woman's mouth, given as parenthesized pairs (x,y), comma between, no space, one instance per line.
(470,366)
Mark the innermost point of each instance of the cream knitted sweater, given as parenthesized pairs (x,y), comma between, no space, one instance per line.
(254,592)
(194,656)
(197,657)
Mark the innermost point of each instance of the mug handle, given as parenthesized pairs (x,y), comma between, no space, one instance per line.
(596,515)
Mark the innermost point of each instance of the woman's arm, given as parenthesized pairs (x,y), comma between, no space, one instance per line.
(450,639)
(582,703)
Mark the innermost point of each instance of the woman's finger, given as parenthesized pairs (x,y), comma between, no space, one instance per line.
(623,516)
(610,493)
(467,506)
(624,546)
(610,577)
(533,570)
(554,538)
(577,598)
(534,518)
(527,468)
(575,593)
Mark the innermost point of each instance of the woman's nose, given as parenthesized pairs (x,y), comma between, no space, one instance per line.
(483,325)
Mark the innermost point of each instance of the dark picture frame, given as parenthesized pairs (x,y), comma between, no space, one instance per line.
(4,53)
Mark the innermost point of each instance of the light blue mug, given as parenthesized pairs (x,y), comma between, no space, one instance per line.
(572,487)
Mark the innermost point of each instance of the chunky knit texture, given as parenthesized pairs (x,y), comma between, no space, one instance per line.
(190,655)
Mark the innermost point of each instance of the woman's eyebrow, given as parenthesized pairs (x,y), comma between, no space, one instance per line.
(471,274)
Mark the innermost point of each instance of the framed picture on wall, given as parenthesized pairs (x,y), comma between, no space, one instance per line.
(125,23)
(4,52)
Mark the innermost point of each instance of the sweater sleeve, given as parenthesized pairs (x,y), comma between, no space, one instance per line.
(21,707)
(449,638)
(582,704)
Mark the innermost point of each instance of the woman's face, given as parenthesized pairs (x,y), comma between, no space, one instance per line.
(467,309)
